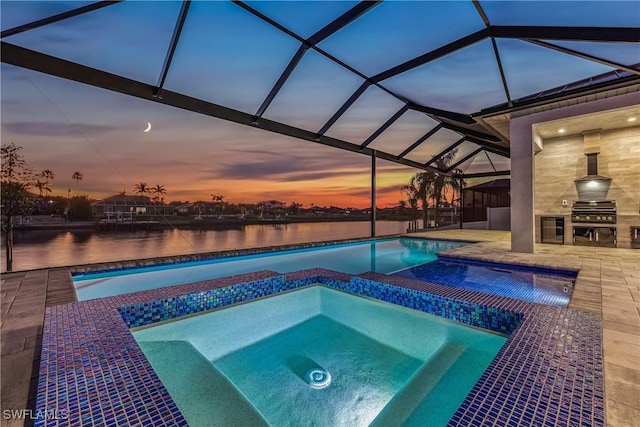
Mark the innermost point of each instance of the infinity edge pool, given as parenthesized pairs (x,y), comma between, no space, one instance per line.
(384,255)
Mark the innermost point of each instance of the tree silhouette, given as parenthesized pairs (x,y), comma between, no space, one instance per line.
(48,176)
(294,208)
(159,191)
(16,179)
(77,176)
(40,185)
(428,184)
(43,186)
(443,182)
(141,188)
(417,190)
(218,198)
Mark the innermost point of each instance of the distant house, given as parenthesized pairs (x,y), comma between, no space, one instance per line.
(124,207)
(273,204)
(184,209)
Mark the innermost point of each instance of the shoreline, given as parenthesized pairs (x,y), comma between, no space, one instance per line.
(190,224)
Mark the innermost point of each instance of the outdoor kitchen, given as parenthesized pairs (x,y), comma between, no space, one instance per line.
(587,180)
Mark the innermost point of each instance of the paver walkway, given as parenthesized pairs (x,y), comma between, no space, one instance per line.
(24,298)
(608,283)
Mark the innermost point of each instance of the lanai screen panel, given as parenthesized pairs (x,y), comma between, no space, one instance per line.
(525,74)
(315,90)
(624,54)
(128,38)
(464,81)
(485,162)
(365,115)
(434,145)
(228,56)
(303,17)
(267,59)
(16,13)
(410,127)
(394,32)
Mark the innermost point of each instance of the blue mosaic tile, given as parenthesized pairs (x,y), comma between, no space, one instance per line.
(498,320)
(549,372)
(543,286)
(168,308)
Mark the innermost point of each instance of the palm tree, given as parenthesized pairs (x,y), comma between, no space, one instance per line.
(431,185)
(218,198)
(457,185)
(412,197)
(159,191)
(418,189)
(78,177)
(442,182)
(402,207)
(294,208)
(48,177)
(41,187)
(141,188)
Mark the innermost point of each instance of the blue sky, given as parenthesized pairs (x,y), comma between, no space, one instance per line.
(228,56)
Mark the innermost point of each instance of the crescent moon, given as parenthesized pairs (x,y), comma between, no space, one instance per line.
(148,127)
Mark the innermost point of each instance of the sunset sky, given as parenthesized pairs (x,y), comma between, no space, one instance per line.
(191,155)
(230,57)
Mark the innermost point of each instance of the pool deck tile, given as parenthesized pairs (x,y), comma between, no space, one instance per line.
(608,285)
(91,364)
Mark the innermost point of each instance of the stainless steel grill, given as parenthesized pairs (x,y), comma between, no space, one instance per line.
(604,212)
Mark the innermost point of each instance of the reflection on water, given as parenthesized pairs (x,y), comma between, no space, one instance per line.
(54,248)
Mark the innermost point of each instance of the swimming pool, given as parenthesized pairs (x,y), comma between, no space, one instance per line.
(543,363)
(380,255)
(317,356)
(550,287)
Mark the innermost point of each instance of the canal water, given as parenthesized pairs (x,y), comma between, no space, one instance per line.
(55,248)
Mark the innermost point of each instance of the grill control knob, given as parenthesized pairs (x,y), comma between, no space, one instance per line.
(609,218)
(587,218)
(598,218)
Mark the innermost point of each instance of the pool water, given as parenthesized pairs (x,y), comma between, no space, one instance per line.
(381,255)
(550,287)
(317,356)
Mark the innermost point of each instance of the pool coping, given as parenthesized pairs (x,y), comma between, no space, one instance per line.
(549,371)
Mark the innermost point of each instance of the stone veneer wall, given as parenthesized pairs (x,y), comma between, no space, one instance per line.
(562,160)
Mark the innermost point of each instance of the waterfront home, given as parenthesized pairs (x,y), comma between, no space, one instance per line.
(121,206)
(272,204)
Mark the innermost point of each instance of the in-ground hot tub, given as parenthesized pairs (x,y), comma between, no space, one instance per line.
(317,356)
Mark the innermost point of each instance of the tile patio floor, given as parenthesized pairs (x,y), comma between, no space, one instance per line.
(608,283)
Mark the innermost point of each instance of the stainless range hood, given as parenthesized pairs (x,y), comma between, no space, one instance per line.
(592,186)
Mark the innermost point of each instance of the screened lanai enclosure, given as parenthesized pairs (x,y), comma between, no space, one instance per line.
(408,82)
